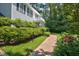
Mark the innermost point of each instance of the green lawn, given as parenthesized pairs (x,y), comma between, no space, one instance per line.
(21,48)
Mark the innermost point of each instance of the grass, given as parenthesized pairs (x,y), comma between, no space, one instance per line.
(21,48)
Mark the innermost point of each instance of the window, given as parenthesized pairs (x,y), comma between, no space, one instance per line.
(36,16)
(41,6)
(17,6)
(29,12)
(24,9)
(21,7)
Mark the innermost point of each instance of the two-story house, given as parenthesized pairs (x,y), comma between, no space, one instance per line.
(20,10)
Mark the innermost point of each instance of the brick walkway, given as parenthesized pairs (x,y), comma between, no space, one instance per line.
(46,48)
(2,53)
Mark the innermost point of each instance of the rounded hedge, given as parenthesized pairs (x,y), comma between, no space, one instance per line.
(18,30)
(18,34)
(4,21)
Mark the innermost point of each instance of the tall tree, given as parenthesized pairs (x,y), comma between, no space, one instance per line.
(56,22)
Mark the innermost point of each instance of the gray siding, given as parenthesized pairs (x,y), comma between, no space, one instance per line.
(5,9)
(17,14)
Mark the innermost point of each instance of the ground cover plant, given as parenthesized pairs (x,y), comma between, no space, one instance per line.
(67,45)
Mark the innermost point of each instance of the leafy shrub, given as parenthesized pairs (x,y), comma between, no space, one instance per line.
(47,33)
(31,24)
(19,23)
(23,23)
(45,29)
(4,21)
(8,33)
(67,46)
(18,34)
(20,31)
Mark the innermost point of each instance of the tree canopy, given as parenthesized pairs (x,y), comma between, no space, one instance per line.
(63,17)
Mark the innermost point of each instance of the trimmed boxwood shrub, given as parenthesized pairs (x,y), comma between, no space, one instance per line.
(24,23)
(19,23)
(8,33)
(31,24)
(18,34)
(47,33)
(4,21)
(20,31)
